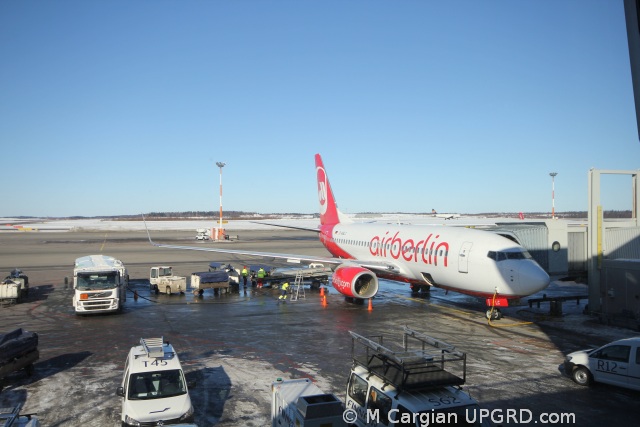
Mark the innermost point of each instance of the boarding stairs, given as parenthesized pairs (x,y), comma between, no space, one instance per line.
(298,287)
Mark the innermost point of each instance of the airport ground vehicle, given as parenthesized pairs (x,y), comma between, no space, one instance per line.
(616,363)
(234,275)
(18,350)
(11,417)
(316,274)
(299,402)
(15,287)
(209,280)
(416,383)
(161,279)
(100,284)
(202,234)
(154,390)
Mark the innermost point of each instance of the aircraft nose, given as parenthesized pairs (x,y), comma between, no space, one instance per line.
(533,278)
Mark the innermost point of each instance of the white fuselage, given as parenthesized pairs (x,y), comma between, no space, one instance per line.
(466,260)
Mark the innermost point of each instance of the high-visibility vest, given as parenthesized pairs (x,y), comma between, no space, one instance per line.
(245,272)
(285,286)
(261,273)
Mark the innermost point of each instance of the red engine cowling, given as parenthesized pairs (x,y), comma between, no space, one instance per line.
(355,282)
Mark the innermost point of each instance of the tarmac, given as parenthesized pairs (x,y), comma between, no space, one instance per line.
(235,345)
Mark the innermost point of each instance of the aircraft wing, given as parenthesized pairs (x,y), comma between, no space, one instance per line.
(386,267)
(315,230)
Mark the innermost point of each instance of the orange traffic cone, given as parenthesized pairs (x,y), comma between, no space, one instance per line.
(370,304)
(321,291)
(324,300)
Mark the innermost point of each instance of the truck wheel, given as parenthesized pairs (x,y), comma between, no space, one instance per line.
(582,376)
(168,290)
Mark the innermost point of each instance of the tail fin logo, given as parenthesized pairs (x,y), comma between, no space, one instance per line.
(322,190)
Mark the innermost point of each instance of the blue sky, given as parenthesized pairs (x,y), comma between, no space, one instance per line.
(123,107)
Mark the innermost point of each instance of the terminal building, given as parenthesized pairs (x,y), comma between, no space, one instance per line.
(603,253)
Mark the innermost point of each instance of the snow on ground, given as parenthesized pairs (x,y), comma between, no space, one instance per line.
(93,224)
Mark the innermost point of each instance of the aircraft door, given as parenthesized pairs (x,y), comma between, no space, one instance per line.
(463,257)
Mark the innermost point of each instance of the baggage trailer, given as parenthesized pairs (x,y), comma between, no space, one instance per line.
(9,292)
(210,280)
(299,402)
(11,417)
(18,350)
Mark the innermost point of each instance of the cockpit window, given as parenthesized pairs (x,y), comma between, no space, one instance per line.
(502,256)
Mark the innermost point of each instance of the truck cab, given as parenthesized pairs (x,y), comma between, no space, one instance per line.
(154,390)
(400,386)
(100,284)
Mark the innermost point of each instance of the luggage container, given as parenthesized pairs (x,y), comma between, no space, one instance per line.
(209,280)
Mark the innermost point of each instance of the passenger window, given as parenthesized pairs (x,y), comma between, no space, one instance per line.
(358,389)
(380,402)
(618,353)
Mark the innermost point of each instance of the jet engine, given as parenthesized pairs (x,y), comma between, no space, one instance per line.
(355,281)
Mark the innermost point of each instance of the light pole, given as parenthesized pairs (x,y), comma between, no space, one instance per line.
(220,165)
(553,194)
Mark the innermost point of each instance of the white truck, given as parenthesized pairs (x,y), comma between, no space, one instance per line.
(161,279)
(100,284)
(202,234)
(413,384)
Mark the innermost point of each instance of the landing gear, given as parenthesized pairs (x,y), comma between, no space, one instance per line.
(493,313)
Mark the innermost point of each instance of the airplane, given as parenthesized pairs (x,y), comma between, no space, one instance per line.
(464,260)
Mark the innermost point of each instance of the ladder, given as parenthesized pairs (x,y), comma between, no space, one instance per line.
(298,284)
(153,346)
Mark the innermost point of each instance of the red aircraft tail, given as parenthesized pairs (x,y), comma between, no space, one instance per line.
(329,213)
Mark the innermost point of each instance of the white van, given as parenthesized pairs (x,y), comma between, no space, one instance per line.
(616,363)
(154,389)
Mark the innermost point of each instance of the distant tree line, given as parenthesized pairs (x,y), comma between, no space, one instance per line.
(233,215)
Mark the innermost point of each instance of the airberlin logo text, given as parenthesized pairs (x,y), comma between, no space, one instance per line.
(427,251)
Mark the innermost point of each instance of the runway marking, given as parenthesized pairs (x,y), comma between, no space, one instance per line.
(104,242)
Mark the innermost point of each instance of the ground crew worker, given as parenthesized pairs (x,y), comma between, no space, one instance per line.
(261,274)
(245,273)
(284,287)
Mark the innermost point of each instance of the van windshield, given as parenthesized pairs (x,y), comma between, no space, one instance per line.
(95,281)
(156,385)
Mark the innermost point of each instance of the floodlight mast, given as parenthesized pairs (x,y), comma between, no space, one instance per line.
(553,194)
(220,165)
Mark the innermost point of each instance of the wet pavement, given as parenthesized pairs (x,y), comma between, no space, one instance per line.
(234,345)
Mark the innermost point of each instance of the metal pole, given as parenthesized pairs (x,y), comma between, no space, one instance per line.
(553,194)
(220,165)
